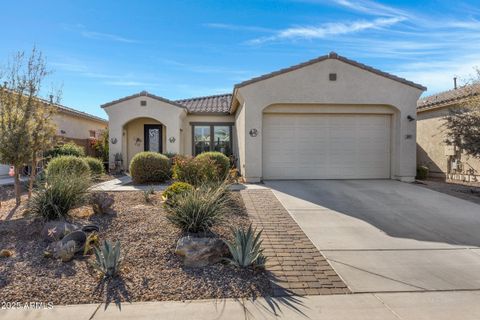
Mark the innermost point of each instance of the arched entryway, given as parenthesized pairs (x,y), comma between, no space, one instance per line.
(142,134)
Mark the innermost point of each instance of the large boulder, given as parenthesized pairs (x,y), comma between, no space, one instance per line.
(56,230)
(199,252)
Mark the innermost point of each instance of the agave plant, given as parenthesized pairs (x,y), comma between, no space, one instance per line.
(108,259)
(246,249)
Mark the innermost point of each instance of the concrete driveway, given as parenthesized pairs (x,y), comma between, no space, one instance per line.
(385,235)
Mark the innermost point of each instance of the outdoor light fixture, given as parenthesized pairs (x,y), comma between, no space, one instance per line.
(63,131)
(172,139)
(410,118)
(138,141)
(253,132)
(113,140)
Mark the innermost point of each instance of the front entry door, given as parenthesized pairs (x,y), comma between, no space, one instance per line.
(153,137)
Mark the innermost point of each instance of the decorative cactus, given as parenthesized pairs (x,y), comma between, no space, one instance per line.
(108,259)
(246,249)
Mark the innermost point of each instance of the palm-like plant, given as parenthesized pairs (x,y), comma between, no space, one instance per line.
(108,259)
(246,249)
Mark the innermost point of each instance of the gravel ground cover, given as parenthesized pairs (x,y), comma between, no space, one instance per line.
(151,271)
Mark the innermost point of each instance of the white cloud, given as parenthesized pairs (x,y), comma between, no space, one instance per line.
(372,8)
(327,30)
(234,27)
(105,36)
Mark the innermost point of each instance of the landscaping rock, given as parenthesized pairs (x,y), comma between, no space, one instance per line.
(82,212)
(56,230)
(200,252)
(78,237)
(66,248)
(102,202)
(4,253)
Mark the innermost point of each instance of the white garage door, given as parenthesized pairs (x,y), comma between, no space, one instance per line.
(326,146)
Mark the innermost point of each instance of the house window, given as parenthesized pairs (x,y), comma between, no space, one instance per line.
(93,134)
(212,137)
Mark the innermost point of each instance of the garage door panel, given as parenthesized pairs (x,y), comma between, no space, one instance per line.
(326,146)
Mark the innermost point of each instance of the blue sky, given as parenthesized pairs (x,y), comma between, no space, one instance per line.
(104,50)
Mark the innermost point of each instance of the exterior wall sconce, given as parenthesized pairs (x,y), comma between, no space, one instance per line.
(172,139)
(113,140)
(253,132)
(63,131)
(138,141)
(410,118)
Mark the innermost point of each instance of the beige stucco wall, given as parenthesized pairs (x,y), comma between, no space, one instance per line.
(187,128)
(431,145)
(120,114)
(311,84)
(76,127)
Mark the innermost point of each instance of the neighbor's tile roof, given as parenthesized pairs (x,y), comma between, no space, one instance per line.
(332,55)
(448,97)
(215,104)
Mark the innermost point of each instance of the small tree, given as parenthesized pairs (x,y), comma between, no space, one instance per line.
(25,120)
(463,121)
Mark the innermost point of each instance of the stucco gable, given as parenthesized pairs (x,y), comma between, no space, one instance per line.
(331,55)
(143,94)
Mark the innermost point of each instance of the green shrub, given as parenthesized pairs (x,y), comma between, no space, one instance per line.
(222,162)
(246,249)
(422,172)
(199,209)
(95,165)
(54,198)
(67,165)
(195,171)
(150,166)
(67,149)
(175,190)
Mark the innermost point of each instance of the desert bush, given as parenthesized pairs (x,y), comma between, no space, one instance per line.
(222,162)
(175,190)
(66,166)
(150,166)
(199,209)
(195,171)
(67,149)
(95,165)
(422,172)
(54,198)
(246,248)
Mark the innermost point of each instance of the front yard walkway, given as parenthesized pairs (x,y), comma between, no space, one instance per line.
(124,183)
(295,263)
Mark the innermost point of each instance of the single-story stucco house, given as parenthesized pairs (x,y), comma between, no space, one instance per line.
(72,125)
(327,118)
(445,161)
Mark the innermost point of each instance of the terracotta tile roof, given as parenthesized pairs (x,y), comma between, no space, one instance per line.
(449,97)
(215,104)
(142,94)
(331,55)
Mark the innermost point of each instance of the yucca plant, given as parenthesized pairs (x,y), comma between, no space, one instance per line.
(108,259)
(199,209)
(246,249)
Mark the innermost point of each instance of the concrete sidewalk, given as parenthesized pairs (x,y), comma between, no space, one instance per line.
(407,305)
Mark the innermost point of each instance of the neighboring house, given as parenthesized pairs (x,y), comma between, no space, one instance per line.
(327,118)
(73,125)
(432,151)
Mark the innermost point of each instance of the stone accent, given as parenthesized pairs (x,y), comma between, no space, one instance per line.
(296,265)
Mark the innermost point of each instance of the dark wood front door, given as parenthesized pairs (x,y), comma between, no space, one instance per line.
(153,137)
